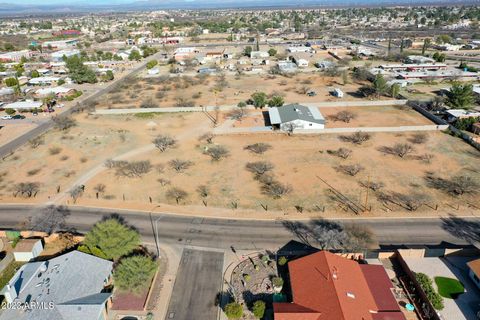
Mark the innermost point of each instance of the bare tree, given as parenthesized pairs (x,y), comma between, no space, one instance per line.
(426,157)
(99,189)
(351,170)
(163,182)
(177,194)
(259,167)
(258,148)
(163,142)
(343,153)
(76,192)
(418,138)
(64,122)
(50,219)
(217,152)
(207,137)
(180,165)
(36,142)
(457,185)
(358,137)
(203,191)
(399,149)
(276,189)
(345,116)
(26,189)
(133,169)
(236,114)
(372,185)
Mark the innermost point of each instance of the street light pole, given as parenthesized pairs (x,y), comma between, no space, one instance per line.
(154,230)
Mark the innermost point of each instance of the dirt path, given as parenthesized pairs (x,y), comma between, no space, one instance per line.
(189,133)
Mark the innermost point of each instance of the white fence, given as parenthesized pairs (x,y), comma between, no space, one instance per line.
(374,129)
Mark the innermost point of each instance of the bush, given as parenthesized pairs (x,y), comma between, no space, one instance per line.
(134,273)
(282,261)
(258,309)
(217,152)
(426,283)
(277,282)
(233,310)
(258,148)
(163,142)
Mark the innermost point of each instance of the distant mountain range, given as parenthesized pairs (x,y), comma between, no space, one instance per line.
(7,9)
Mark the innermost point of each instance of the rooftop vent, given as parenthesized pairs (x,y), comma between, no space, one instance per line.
(350,295)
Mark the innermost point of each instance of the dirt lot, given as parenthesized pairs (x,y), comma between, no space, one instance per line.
(301,162)
(165,91)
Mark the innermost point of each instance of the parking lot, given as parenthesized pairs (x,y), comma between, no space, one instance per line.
(197,283)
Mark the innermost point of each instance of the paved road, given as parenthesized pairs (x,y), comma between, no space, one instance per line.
(247,234)
(11,146)
(198,281)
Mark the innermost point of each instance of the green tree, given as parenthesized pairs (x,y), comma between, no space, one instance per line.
(282,261)
(134,273)
(79,72)
(395,90)
(10,111)
(439,57)
(60,82)
(109,75)
(444,38)
(151,64)
(380,85)
(460,96)
(272,52)
(259,99)
(276,101)
(35,74)
(134,55)
(247,51)
(113,238)
(11,82)
(233,310)
(259,309)
(426,44)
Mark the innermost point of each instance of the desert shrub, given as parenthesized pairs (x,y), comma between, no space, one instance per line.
(164,142)
(357,137)
(63,122)
(457,185)
(276,189)
(26,189)
(343,153)
(351,170)
(132,169)
(418,138)
(217,152)
(259,167)
(33,172)
(258,148)
(176,194)
(54,150)
(344,116)
(180,165)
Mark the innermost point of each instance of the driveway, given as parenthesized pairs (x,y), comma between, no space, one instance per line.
(198,281)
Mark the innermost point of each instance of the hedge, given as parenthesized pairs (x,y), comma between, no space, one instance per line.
(427,285)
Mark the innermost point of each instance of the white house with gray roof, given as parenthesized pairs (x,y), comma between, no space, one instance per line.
(295,116)
(68,287)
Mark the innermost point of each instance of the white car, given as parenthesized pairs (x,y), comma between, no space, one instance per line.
(6,117)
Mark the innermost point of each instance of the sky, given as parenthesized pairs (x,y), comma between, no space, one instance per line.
(66,2)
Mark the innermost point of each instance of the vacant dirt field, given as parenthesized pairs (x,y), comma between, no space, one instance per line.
(309,167)
(10,132)
(204,90)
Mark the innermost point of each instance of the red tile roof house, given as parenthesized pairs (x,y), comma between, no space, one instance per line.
(326,286)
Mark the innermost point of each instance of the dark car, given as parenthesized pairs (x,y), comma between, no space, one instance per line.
(18,116)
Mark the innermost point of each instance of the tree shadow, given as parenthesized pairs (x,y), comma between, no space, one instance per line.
(465,229)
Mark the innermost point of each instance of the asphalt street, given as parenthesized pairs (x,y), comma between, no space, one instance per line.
(219,233)
(198,281)
(11,146)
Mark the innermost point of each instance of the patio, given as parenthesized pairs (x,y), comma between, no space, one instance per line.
(466,305)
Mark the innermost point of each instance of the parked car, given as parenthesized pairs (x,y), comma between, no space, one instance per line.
(6,117)
(18,116)
(311,93)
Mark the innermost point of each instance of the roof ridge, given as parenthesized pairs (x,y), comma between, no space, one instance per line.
(337,296)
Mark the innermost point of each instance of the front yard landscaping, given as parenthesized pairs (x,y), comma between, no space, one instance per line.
(448,287)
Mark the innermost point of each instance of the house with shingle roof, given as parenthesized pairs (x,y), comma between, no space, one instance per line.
(326,286)
(295,116)
(72,286)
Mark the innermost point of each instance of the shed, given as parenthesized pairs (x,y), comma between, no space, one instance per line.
(27,249)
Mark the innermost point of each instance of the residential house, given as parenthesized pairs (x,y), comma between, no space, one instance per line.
(454,114)
(41,81)
(15,56)
(59,92)
(27,249)
(57,56)
(326,286)
(73,286)
(24,105)
(259,54)
(287,66)
(295,116)
(474,271)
